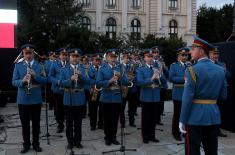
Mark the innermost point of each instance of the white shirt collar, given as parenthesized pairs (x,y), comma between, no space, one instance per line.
(31,62)
(202,59)
(74,66)
(182,63)
(148,65)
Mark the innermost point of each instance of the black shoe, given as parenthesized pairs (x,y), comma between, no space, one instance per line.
(37,148)
(1,120)
(107,142)
(100,126)
(93,128)
(145,141)
(59,130)
(115,142)
(177,137)
(69,146)
(79,145)
(132,125)
(160,123)
(221,134)
(25,149)
(154,140)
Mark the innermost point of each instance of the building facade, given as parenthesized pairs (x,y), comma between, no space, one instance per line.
(163,18)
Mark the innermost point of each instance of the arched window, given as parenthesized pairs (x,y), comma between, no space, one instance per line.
(135,29)
(173,3)
(111,28)
(85,2)
(111,3)
(173,28)
(86,23)
(136,3)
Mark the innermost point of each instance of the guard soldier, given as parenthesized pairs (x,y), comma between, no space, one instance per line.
(94,104)
(149,80)
(214,56)
(204,84)
(109,79)
(58,91)
(73,79)
(177,70)
(29,77)
(164,73)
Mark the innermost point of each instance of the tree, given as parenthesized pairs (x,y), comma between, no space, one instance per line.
(213,24)
(167,46)
(41,20)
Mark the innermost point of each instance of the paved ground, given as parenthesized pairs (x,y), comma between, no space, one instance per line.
(10,136)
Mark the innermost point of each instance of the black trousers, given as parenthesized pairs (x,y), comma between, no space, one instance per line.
(73,116)
(133,100)
(176,116)
(150,114)
(59,110)
(95,108)
(111,113)
(27,113)
(207,135)
(162,99)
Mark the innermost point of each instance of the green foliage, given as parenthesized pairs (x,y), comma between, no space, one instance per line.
(41,20)
(215,24)
(167,46)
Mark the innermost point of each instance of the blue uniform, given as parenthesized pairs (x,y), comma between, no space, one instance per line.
(210,85)
(54,76)
(177,71)
(38,81)
(150,90)
(104,75)
(78,98)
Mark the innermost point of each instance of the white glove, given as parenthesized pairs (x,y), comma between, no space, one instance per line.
(182,128)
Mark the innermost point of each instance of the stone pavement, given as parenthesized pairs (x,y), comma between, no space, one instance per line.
(11,139)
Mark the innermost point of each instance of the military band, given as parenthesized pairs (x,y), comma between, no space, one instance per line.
(106,83)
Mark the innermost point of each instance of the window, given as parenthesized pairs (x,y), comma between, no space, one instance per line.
(86,23)
(136,3)
(135,29)
(85,2)
(111,28)
(173,3)
(111,3)
(173,28)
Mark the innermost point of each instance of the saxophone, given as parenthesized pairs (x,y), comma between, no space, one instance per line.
(94,92)
(130,75)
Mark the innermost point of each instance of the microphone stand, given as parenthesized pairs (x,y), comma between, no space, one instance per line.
(122,147)
(47,135)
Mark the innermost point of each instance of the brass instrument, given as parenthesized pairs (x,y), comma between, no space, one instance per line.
(130,75)
(29,81)
(94,93)
(77,73)
(158,73)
